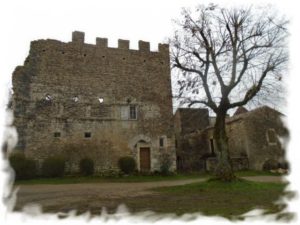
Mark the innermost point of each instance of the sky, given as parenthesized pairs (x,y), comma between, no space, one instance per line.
(149,20)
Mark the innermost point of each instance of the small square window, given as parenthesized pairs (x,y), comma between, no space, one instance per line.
(87,134)
(132,112)
(56,134)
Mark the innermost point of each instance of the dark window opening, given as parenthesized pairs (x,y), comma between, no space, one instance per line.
(176,143)
(101,100)
(144,60)
(62,52)
(84,55)
(123,58)
(212,147)
(132,112)
(103,56)
(56,134)
(48,97)
(161,142)
(87,134)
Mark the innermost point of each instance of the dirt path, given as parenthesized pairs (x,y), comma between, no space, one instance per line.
(276,179)
(70,194)
(64,197)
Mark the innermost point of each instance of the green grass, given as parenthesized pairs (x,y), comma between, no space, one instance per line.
(96,179)
(215,198)
(246,173)
(134,178)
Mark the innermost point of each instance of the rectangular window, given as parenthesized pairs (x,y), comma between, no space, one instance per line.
(56,134)
(87,134)
(132,112)
(161,142)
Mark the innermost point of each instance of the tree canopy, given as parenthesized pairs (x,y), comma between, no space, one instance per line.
(230,55)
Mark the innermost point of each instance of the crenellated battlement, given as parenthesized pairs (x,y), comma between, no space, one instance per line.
(144,46)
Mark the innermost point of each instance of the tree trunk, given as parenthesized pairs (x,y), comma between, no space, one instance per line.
(224,169)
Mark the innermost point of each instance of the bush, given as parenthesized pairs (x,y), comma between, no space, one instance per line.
(53,167)
(86,166)
(270,165)
(24,168)
(127,164)
(166,164)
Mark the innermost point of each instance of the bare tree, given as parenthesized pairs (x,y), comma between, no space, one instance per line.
(226,58)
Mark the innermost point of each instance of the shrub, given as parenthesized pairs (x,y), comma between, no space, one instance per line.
(86,166)
(127,164)
(270,165)
(166,164)
(111,173)
(24,168)
(284,165)
(53,167)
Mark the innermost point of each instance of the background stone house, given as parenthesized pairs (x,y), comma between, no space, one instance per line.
(190,142)
(84,100)
(254,140)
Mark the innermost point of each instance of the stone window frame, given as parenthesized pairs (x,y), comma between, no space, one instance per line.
(270,142)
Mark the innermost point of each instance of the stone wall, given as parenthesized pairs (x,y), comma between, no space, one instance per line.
(98,100)
(248,136)
(191,144)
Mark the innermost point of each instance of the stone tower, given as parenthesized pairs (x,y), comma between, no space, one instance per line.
(84,100)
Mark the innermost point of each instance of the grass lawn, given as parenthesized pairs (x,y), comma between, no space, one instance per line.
(97,179)
(246,173)
(212,198)
(134,178)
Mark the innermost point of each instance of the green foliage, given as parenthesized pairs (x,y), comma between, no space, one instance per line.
(127,164)
(86,166)
(24,168)
(271,165)
(166,163)
(53,167)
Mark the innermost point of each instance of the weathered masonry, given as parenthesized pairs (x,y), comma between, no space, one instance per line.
(84,100)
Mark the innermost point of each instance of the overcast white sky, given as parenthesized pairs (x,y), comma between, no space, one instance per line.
(151,20)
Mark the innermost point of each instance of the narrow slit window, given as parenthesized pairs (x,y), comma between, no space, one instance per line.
(161,142)
(57,134)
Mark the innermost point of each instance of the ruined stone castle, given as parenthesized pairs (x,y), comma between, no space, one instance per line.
(84,100)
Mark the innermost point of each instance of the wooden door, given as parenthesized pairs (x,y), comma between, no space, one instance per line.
(145,159)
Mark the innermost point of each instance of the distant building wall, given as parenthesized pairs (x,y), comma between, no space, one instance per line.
(191,145)
(249,137)
(253,139)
